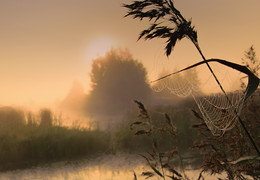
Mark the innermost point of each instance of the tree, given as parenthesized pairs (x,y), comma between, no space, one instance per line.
(116,79)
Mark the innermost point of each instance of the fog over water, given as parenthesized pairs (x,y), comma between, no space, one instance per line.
(112,167)
(80,98)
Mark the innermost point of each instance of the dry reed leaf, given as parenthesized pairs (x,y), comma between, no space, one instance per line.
(148,174)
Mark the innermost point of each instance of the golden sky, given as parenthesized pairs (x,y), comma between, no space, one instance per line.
(46,45)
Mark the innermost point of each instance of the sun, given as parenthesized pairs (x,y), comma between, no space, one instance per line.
(99,47)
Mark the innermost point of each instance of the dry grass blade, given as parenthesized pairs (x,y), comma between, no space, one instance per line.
(175,172)
(196,114)
(173,129)
(148,174)
(143,111)
(156,171)
(142,132)
(135,123)
(200,176)
(152,155)
(200,125)
(135,177)
(153,168)
(171,169)
(172,152)
(166,166)
(168,119)
(173,177)
(155,147)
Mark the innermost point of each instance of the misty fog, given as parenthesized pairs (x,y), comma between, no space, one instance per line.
(116,81)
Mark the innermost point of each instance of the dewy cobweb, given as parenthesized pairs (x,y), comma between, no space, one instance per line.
(218,113)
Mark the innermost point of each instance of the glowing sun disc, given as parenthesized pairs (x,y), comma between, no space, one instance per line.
(99,47)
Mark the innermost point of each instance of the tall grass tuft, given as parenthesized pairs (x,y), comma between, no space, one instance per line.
(232,153)
(161,159)
(229,155)
(26,144)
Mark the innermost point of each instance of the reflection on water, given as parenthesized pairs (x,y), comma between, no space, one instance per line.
(112,167)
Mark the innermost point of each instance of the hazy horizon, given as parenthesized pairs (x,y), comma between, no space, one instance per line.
(48,45)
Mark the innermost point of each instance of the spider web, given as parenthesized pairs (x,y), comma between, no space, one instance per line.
(218,112)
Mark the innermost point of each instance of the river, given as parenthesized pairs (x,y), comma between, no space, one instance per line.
(109,167)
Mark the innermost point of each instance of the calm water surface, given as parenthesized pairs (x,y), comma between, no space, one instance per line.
(112,167)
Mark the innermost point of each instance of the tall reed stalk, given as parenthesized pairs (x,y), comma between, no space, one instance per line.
(168,23)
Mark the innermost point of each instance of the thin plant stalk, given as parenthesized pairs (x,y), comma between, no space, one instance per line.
(224,92)
(165,8)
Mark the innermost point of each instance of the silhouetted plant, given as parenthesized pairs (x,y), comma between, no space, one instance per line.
(231,153)
(168,22)
(251,62)
(160,160)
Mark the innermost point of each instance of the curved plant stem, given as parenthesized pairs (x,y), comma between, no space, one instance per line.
(182,28)
(222,89)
